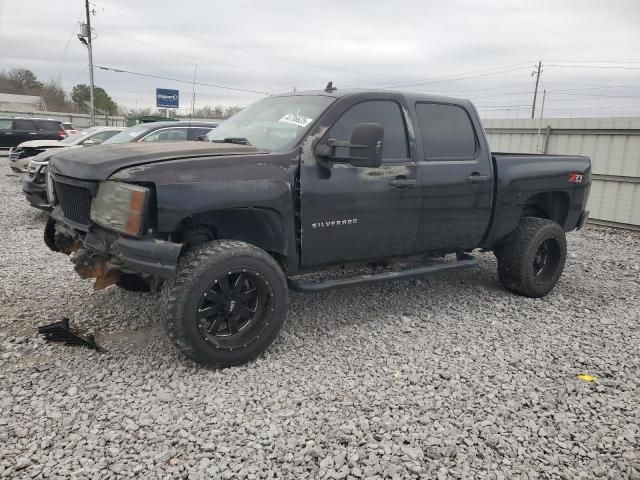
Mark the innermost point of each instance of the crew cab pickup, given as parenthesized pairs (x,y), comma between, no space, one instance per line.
(299,182)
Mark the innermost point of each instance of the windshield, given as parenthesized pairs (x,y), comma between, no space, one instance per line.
(128,134)
(78,137)
(274,123)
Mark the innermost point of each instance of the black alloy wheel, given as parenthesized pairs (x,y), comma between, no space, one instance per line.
(546,259)
(234,309)
(532,260)
(226,303)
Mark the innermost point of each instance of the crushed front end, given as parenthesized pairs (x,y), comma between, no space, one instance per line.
(106,228)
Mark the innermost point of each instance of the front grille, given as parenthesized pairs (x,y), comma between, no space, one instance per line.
(75,202)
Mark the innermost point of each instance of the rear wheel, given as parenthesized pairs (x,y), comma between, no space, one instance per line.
(226,303)
(533,260)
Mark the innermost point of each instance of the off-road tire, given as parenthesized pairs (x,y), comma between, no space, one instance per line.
(516,268)
(133,283)
(50,235)
(181,296)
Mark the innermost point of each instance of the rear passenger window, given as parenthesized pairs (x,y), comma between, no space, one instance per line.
(48,125)
(447,132)
(24,125)
(384,112)
(5,123)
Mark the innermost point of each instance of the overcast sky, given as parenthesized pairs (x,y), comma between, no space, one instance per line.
(485,50)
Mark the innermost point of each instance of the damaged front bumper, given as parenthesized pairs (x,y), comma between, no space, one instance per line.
(103,255)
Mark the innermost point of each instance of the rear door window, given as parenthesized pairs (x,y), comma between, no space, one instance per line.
(24,125)
(447,132)
(384,112)
(5,123)
(48,125)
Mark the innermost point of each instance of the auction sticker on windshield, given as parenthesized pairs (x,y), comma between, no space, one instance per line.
(296,119)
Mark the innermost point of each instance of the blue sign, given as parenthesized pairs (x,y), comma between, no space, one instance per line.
(166,98)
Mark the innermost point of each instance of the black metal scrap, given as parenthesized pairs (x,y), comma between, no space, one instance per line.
(61,332)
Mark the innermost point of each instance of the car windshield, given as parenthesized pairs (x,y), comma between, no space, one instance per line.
(274,123)
(129,134)
(79,137)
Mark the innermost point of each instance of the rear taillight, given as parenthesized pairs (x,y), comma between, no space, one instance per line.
(62,133)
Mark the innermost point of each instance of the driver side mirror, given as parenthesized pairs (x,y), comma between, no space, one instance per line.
(363,150)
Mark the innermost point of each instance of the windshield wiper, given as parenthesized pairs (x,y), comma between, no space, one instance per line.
(236,140)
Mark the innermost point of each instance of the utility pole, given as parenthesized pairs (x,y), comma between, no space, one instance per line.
(193,93)
(88,36)
(537,73)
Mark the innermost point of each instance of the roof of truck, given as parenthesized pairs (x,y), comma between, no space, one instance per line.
(409,96)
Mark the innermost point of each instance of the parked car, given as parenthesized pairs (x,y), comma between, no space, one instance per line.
(33,186)
(14,131)
(20,155)
(70,128)
(167,131)
(298,182)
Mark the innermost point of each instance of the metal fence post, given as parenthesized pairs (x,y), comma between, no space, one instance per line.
(547,135)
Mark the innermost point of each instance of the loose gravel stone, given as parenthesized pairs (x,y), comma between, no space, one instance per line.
(446,377)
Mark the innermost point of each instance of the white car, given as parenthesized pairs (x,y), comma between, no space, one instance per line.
(20,155)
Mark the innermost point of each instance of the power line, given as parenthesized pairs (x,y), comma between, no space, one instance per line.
(182,54)
(450,78)
(232,47)
(592,66)
(593,61)
(66,47)
(119,70)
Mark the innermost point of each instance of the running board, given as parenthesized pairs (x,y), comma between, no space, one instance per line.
(464,261)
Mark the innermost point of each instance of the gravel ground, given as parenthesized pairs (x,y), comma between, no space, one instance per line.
(449,377)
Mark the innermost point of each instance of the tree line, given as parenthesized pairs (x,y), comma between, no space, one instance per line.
(22,81)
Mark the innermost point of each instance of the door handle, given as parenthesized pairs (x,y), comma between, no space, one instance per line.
(475,177)
(403,182)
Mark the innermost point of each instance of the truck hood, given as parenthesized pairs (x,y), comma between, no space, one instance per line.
(102,161)
(41,144)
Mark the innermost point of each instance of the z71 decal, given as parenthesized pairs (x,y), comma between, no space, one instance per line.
(575,178)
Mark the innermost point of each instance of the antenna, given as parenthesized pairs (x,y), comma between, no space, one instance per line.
(330,87)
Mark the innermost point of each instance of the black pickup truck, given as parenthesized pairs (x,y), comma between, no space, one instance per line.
(298,182)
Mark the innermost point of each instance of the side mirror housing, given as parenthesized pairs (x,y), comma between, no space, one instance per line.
(363,150)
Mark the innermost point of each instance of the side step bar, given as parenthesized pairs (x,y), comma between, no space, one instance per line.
(464,261)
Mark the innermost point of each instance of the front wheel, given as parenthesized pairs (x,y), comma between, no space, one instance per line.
(531,262)
(226,303)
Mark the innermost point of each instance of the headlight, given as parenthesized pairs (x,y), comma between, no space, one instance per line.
(51,196)
(120,206)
